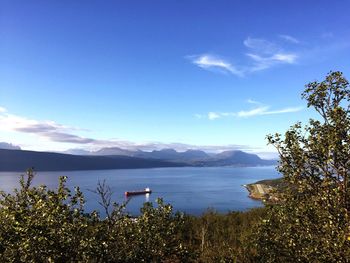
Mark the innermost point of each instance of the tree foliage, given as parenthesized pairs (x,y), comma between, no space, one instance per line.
(43,225)
(311,223)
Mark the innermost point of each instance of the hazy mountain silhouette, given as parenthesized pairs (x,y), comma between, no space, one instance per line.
(164,154)
(9,146)
(171,154)
(235,158)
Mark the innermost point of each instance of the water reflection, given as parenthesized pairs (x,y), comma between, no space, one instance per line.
(147,197)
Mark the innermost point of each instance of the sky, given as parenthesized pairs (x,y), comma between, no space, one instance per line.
(212,75)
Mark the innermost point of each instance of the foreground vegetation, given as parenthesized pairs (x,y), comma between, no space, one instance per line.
(310,223)
(42,225)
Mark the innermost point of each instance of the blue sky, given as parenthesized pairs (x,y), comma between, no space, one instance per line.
(212,75)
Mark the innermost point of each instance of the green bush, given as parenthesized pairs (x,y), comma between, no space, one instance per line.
(42,225)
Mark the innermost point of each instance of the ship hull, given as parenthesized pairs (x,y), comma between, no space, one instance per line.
(130,193)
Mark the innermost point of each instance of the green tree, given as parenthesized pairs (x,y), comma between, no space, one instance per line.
(41,225)
(311,223)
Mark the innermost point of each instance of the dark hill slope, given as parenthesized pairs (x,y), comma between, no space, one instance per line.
(18,160)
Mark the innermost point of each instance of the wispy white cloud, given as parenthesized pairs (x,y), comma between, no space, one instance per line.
(253,101)
(261,63)
(289,38)
(264,110)
(211,62)
(261,46)
(261,53)
(266,54)
(289,58)
(213,115)
(259,110)
(2,109)
(253,112)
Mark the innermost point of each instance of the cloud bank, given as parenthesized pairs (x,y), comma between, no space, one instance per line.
(59,133)
(47,129)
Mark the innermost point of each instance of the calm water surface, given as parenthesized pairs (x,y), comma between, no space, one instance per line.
(188,189)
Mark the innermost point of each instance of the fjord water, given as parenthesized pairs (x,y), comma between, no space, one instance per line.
(189,189)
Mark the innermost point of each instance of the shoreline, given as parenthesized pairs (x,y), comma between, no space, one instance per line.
(265,190)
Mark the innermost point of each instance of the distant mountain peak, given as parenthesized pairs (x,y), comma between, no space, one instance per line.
(193,150)
(78,152)
(9,146)
(114,151)
(166,150)
(231,153)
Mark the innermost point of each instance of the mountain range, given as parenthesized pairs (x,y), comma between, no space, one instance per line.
(164,154)
(117,158)
(193,157)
